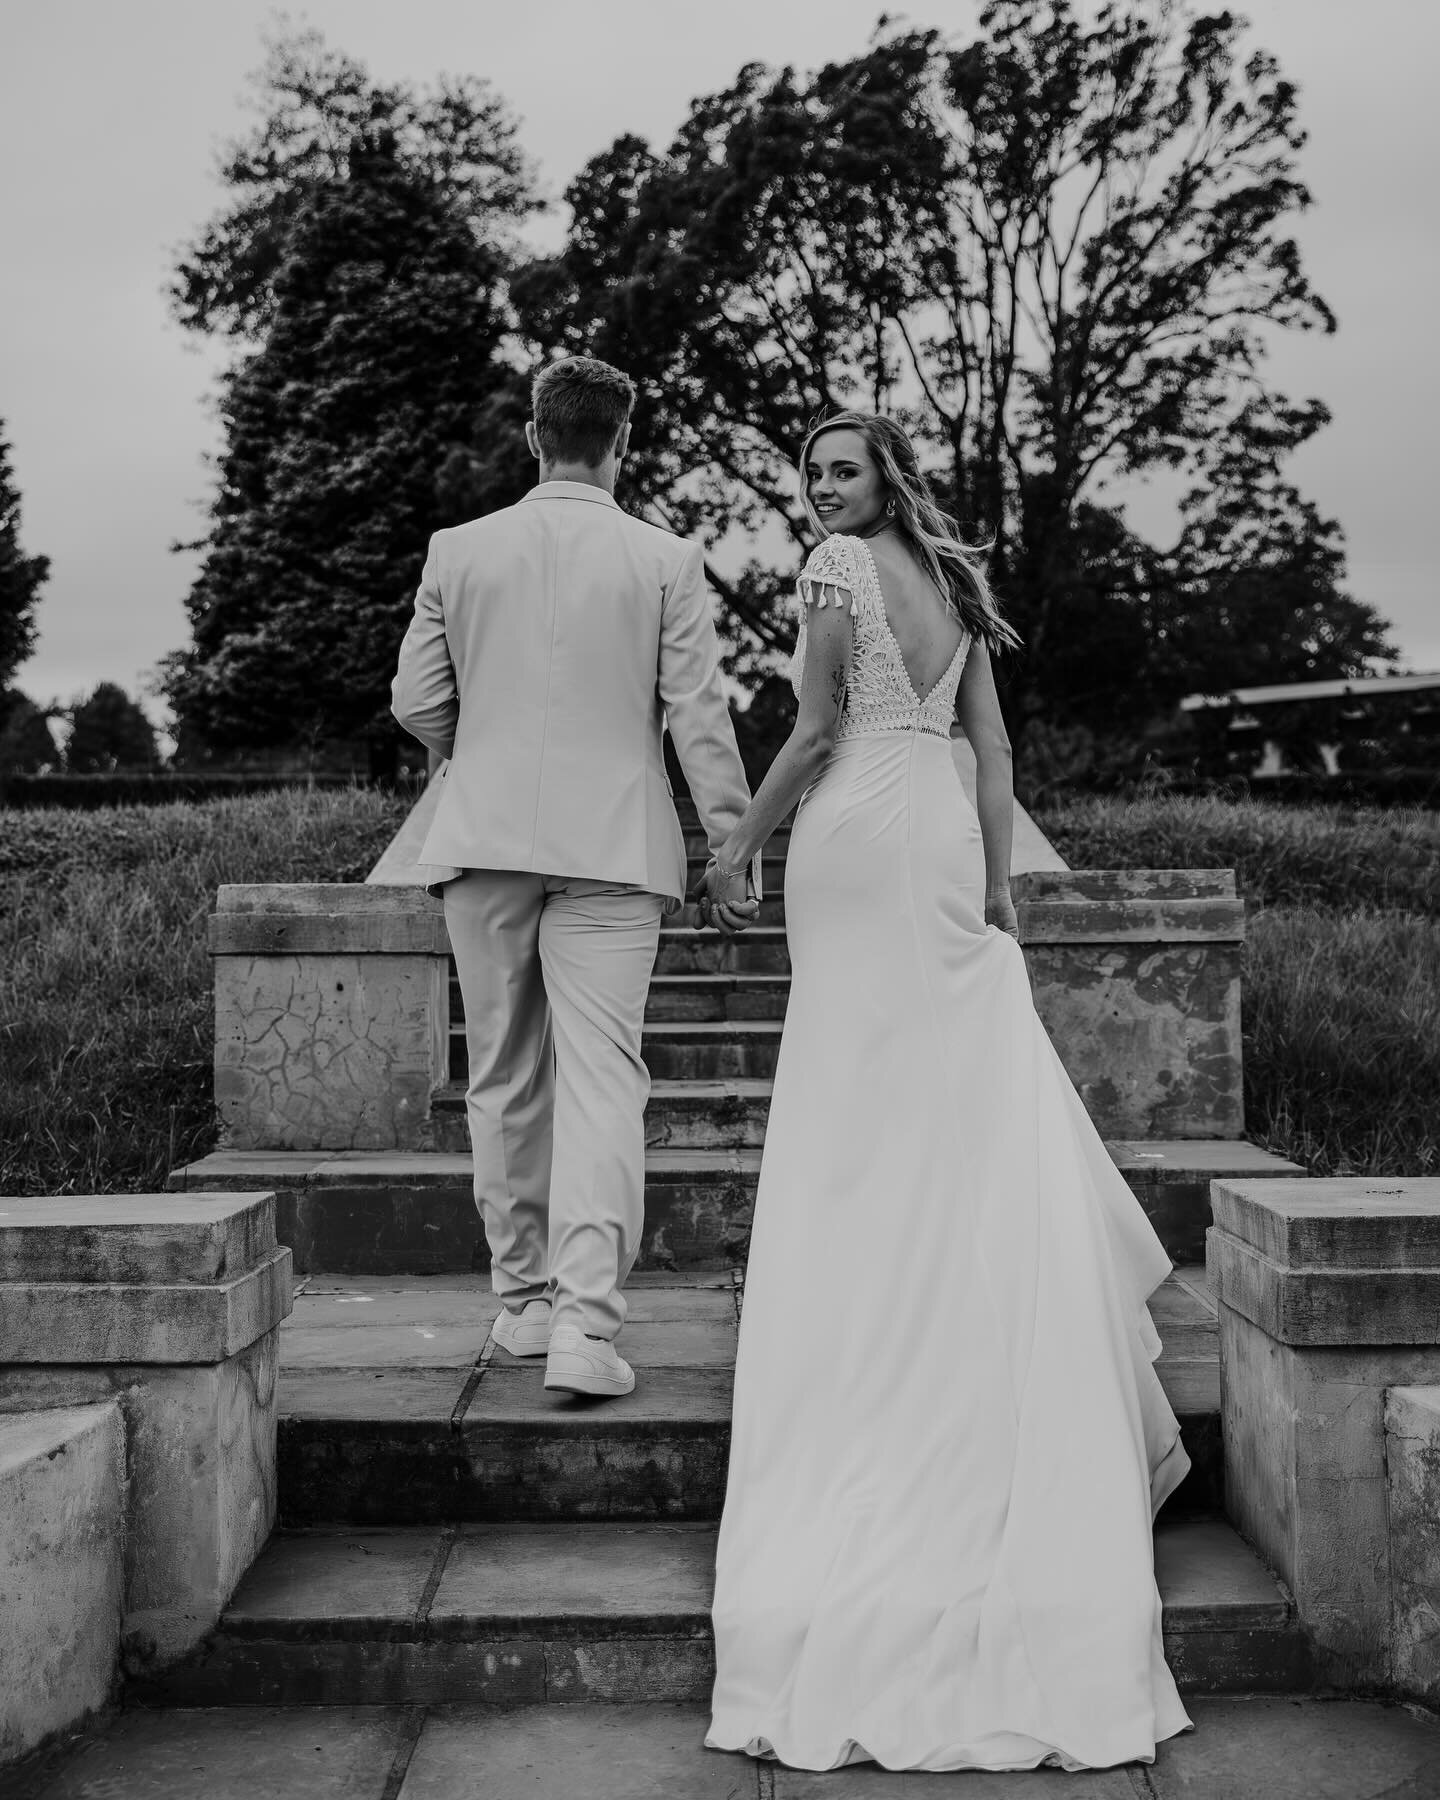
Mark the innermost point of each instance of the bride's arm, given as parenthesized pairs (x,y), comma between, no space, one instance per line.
(981,719)
(830,644)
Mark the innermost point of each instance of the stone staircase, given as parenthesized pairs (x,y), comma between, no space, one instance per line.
(451,1532)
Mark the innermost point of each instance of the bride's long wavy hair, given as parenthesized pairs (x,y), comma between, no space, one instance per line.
(952,565)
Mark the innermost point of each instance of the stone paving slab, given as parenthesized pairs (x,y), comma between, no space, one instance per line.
(575,1753)
(236,1753)
(1204,1569)
(1282,1748)
(514,1390)
(1241,1749)
(364,1584)
(548,1578)
(417,1397)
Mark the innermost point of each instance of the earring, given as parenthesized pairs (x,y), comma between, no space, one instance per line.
(889,509)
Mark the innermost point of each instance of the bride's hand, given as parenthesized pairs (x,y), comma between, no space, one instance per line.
(725,901)
(1000,912)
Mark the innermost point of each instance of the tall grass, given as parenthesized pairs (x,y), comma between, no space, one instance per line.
(1342,1039)
(1341,996)
(1316,856)
(106,1014)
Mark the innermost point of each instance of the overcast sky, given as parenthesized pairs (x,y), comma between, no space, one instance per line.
(112,111)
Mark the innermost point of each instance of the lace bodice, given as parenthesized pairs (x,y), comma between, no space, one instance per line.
(879,696)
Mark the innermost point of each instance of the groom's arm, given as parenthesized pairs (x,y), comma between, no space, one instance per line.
(695,705)
(424,695)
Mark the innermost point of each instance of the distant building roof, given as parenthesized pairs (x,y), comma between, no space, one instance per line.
(1362,688)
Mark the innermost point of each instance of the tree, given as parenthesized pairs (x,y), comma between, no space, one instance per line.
(27,745)
(1054,252)
(21,577)
(365,253)
(109,731)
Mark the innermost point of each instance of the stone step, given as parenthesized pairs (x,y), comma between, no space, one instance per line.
(691,1115)
(396,1407)
(761,950)
(528,1614)
(702,998)
(683,1050)
(712,998)
(383,1212)
(703,1051)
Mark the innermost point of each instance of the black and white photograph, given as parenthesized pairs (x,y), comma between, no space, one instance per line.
(719,900)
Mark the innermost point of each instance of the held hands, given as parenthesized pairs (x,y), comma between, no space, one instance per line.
(724,899)
(1000,912)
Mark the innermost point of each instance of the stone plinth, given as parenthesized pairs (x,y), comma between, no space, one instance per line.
(1412,1467)
(62,1480)
(1329,1295)
(1136,974)
(170,1306)
(331,1016)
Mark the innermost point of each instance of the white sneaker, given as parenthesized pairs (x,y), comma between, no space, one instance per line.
(524,1333)
(584,1365)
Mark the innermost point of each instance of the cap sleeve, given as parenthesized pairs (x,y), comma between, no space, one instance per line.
(828,577)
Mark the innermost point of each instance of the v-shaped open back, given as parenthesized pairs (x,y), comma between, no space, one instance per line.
(963,645)
(880,694)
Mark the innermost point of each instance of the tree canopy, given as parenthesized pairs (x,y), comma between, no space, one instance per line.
(365,258)
(21,577)
(109,731)
(1055,252)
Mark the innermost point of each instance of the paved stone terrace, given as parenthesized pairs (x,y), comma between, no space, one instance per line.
(1241,1749)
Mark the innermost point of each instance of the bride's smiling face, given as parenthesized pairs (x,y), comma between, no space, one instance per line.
(843,484)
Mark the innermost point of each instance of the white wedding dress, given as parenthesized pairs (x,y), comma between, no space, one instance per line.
(949,1438)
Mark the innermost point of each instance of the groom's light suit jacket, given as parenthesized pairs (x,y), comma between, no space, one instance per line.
(548,642)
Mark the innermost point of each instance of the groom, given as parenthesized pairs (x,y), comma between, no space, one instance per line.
(548,640)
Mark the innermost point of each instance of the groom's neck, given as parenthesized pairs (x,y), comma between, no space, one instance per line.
(601,477)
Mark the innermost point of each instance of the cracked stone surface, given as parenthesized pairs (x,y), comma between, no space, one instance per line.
(333,1052)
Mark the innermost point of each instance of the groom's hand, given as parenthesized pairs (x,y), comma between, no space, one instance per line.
(725,901)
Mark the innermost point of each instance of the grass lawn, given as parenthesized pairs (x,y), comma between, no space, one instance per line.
(107,1020)
(106,1013)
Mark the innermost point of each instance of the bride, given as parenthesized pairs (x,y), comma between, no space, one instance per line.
(949,1439)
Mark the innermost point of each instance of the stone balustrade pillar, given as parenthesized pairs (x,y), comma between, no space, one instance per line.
(1329,1296)
(1136,975)
(169,1304)
(332,1016)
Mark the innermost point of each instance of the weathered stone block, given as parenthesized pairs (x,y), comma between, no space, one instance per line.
(1412,1462)
(139,1238)
(1293,1256)
(201,1501)
(1308,1350)
(329,1038)
(192,1365)
(1136,975)
(77,1321)
(62,1476)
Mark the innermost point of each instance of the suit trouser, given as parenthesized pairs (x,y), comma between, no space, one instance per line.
(554,971)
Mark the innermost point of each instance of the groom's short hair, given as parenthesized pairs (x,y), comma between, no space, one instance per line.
(580,405)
